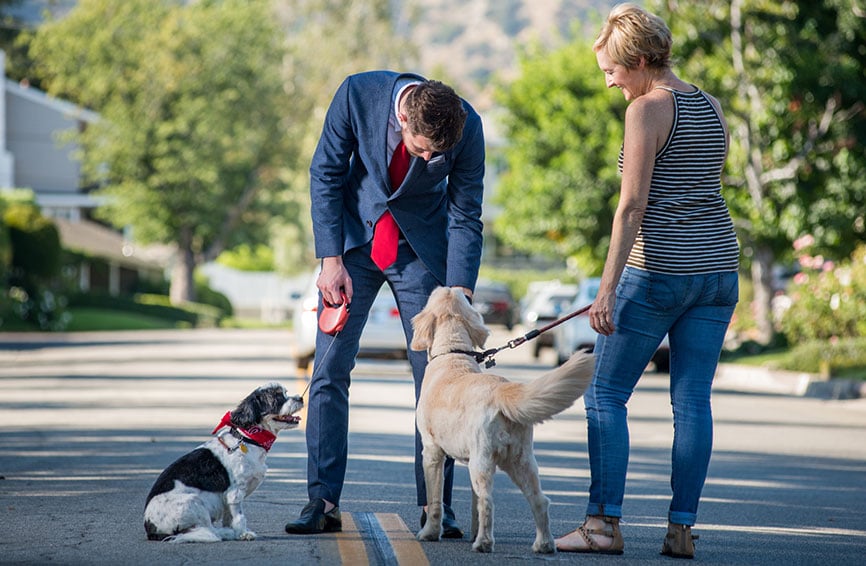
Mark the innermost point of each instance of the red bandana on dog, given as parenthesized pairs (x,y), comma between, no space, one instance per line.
(258,436)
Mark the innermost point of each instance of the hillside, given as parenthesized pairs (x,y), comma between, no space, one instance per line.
(471,43)
(467,43)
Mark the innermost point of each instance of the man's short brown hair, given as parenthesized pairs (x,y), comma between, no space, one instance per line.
(434,110)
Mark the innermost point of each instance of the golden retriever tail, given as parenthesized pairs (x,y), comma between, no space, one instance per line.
(536,401)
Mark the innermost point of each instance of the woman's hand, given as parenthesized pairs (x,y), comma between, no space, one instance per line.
(601,313)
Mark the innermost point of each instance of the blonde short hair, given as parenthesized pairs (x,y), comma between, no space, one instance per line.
(630,34)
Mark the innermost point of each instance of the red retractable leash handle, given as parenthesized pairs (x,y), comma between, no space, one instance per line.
(333,318)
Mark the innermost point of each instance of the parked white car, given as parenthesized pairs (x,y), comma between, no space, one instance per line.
(383,334)
(577,334)
(547,303)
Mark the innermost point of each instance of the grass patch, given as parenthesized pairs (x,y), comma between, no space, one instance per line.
(844,358)
(252,323)
(775,357)
(88,319)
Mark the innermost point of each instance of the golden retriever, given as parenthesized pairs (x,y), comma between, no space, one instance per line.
(483,420)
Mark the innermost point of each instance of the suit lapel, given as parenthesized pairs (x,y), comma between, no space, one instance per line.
(416,164)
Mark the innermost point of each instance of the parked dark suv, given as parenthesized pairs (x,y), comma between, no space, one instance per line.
(496,304)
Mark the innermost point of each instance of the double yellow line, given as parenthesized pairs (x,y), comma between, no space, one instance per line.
(379,539)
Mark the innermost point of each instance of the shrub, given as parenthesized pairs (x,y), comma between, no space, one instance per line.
(5,248)
(30,255)
(827,301)
(198,314)
(37,308)
(35,243)
(208,296)
(830,357)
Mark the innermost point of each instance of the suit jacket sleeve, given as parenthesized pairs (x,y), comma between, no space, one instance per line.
(329,173)
(465,195)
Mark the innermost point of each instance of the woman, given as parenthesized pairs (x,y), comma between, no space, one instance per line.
(671,269)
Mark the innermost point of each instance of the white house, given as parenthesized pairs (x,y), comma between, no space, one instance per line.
(34,156)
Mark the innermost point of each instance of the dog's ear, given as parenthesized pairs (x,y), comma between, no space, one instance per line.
(423,325)
(267,399)
(248,412)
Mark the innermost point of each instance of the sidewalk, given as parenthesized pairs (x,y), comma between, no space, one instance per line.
(757,379)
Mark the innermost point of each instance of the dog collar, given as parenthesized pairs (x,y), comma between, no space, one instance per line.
(479,356)
(256,436)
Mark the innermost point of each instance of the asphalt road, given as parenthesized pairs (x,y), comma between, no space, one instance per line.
(87,422)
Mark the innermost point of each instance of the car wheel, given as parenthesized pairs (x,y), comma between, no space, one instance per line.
(662,361)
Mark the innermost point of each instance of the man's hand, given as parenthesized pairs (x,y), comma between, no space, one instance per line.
(466,291)
(334,281)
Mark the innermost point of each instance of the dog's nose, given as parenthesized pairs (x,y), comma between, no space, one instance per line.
(296,398)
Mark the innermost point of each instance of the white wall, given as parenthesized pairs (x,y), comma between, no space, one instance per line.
(257,293)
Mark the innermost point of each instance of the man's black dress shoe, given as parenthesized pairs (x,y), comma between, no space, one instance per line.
(450,528)
(314,520)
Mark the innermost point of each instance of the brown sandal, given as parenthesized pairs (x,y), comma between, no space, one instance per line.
(679,541)
(610,530)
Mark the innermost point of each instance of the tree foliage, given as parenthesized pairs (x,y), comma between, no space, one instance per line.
(193,116)
(326,40)
(11,28)
(564,130)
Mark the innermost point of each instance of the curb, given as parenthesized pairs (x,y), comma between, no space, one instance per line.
(756,379)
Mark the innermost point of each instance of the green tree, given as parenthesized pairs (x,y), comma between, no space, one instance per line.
(564,130)
(791,76)
(11,28)
(327,40)
(194,117)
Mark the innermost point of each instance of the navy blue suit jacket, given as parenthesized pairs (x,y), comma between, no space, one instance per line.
(438,206)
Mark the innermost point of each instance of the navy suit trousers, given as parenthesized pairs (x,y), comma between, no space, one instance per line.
(328,405)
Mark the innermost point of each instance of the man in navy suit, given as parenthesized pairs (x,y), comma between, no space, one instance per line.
(396,184)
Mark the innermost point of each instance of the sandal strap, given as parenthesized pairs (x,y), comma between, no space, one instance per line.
(586,534)
(607,531)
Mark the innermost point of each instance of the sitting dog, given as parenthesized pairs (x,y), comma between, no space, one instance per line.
(209,484)
(481,419)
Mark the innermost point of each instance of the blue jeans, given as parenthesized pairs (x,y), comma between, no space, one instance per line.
(694,311)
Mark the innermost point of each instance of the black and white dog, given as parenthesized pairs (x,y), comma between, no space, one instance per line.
(209,485)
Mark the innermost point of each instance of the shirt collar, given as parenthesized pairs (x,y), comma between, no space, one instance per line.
(392,120)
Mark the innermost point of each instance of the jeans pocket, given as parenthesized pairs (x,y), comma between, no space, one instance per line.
(666,292)
(655,290)
(728,289)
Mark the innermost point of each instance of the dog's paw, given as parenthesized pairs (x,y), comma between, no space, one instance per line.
(247,535)
(544,546)
(428,534)
(485,546)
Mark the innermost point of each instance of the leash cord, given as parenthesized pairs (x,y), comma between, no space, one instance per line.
(316,366)
(487,355)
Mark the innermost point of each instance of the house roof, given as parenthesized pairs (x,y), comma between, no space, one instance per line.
(97,240)
(39,97)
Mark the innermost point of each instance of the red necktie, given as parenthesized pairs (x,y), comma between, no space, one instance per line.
(386,233)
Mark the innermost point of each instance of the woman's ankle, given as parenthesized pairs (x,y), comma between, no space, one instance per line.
(600,521)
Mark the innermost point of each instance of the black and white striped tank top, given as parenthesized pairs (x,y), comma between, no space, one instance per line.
(687,229)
